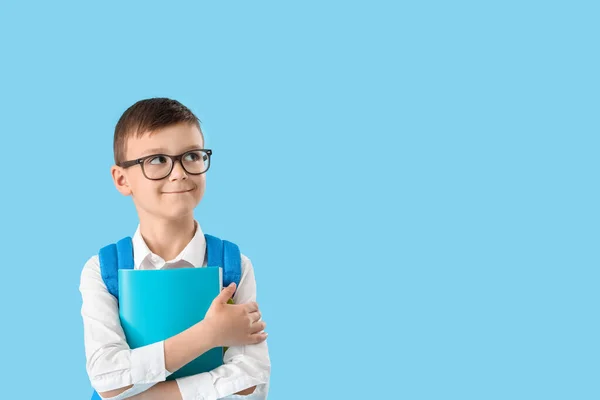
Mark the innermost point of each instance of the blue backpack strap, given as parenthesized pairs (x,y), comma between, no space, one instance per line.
(214,250)
(233,263)
(125,253)
(113,257)
(109,267)
(225,254)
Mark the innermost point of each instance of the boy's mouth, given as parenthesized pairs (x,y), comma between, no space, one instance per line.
(180,191)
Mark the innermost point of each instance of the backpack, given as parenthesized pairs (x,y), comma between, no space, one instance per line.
(115,256)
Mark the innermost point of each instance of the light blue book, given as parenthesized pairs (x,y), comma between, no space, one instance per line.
(157,304)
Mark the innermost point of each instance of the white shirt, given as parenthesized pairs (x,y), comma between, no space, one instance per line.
(111,364)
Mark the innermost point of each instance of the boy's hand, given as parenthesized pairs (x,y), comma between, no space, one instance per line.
(234,324)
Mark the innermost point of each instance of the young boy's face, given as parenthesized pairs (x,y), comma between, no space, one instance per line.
(173,197)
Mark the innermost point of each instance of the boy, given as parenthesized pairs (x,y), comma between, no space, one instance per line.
(165,190)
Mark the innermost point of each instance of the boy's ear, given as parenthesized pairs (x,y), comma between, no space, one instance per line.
(120,180)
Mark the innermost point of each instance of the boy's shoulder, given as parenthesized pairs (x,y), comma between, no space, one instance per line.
(91,275)
(246,263)
(93,263)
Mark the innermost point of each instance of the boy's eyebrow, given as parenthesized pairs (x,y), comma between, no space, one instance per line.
(160,150)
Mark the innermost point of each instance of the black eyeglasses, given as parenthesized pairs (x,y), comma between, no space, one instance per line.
(158,166)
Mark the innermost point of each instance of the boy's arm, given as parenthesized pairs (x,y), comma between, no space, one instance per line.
(113,368)
(116,371)
(170,390)
(246,369)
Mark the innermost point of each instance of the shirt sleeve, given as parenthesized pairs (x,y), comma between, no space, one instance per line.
(197,387)
(132,391)
(243,366)
(110,363)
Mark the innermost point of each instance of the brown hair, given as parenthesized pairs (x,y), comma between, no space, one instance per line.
(149,115)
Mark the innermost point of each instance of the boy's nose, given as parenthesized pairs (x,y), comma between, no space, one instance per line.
(178,172)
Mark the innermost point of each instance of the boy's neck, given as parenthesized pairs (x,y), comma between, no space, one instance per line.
(167,238)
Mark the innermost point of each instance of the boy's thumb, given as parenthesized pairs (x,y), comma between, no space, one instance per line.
(227,293)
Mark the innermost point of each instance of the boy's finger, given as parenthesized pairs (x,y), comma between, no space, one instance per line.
(226,293)
(258,337)
(259,326)
(255,316)
(252,306)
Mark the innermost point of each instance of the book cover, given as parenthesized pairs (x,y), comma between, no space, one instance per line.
(157,304)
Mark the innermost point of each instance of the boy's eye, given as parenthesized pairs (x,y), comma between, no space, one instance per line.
(157,160)
(193,157)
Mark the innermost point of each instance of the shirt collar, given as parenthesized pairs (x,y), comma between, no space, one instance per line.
(194,252)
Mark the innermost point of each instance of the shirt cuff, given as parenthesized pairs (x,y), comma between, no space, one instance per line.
(197,387)
(132,391)
(260,393)
(148,364)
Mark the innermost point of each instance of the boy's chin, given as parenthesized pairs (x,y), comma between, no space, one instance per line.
(175,211)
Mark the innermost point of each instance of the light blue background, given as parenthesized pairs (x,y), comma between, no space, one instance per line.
(416,185)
